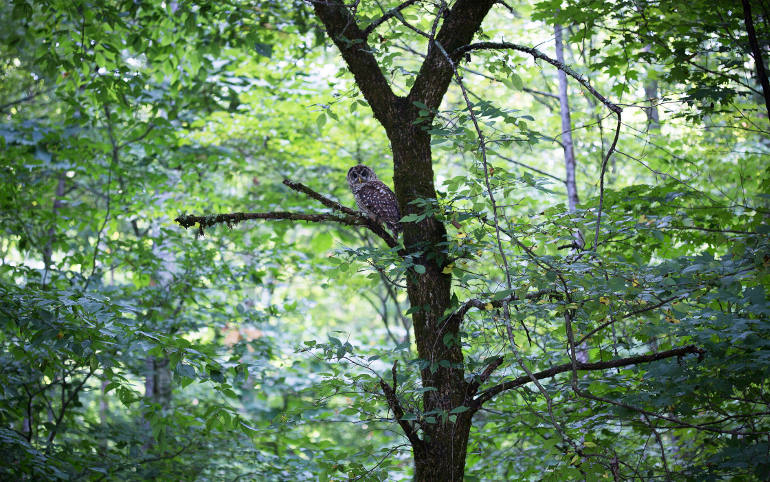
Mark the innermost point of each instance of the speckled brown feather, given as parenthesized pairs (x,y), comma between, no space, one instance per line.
(374,197)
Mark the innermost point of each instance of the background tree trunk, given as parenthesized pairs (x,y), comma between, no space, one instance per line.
(566,125)
(569,156)
(651,92)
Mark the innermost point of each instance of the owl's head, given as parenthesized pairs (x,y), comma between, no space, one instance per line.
(360,174)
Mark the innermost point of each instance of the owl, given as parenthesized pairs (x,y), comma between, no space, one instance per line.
(374,197)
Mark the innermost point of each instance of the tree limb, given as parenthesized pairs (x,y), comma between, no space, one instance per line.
(489,393)
(65,403)
(387,16)
(460,25)
(398,411)
(601,183)
(329,203)
(372,225)
(627,315)
(203,222)
(481,304)
(475,384)
(138,138)
(25,98)
(540,55)
(348,217)
(342,28)
(756,52)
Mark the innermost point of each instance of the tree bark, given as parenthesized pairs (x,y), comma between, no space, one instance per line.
(651,92)
(756,52)
(566,125)
(441,456)
(440,449)
(569,154)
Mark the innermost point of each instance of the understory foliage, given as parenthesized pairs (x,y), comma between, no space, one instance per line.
(292,348)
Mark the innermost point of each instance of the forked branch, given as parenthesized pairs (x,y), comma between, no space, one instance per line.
(398,411)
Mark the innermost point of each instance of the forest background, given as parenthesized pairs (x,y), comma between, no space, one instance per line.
(580,291)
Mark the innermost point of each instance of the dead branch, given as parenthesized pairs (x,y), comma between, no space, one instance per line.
(348,216)
(329,203)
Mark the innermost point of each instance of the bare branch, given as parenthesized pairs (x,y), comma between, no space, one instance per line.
(540,55)
(387,16)
(373,226)
(329,203)
(481,304)
(188,220)
(708,230)
(489,393)
(538,92)
(660,445)
(398,411)
(139,137)
(627,315)
(526,166)
(475,384)
(348,217)
(601,182)
(63,409)
(25,98)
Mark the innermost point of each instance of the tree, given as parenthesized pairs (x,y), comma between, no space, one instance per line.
(439,447)
(666,299)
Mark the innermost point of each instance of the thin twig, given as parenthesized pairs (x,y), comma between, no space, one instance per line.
(25,98)
(387,16)
(601,183)
(627,315)
(115,156)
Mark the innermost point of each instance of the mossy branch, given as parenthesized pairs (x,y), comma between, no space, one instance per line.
(344,215)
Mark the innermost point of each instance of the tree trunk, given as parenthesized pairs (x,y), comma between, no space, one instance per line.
(756,53)
(157,382)
(566,125)
(439,438)
(651,92)
(569,156)
(48,248)
(441,454)
(157,389)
